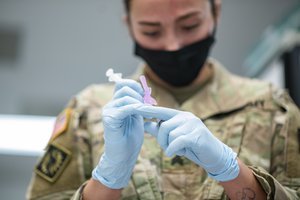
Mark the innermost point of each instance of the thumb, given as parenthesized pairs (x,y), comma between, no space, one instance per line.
(151,128)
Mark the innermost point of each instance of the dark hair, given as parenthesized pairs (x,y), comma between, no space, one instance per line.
(127,6)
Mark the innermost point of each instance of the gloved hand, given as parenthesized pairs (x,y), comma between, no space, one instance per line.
(184,134)
(123,135)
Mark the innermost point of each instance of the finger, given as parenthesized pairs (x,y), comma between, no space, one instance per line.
(147,111)
(178,145)
(180,152)
(136,86)
(165,129)
(127,91)
(151,112)
(120,108)
(175,134)
(151,128)
(123,101)
(123,109)
(185,129)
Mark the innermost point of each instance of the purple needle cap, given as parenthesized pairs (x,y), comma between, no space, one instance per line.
(147,92)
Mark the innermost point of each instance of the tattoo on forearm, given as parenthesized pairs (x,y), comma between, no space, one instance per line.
(246,194)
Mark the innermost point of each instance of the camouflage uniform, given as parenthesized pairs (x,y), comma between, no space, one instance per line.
(259,122)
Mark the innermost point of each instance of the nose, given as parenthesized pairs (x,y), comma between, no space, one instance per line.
(172,43)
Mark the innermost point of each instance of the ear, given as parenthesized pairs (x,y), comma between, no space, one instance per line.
(125,20)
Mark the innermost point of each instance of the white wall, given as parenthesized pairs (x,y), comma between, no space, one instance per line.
(66,45)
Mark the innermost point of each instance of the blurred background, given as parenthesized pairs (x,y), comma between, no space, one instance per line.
(50,50)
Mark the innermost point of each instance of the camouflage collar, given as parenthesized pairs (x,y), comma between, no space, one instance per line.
(226,92)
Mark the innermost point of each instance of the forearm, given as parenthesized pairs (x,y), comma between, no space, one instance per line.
(95,190)
(245,186)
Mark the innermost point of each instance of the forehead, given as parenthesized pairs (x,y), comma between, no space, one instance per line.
(158,9)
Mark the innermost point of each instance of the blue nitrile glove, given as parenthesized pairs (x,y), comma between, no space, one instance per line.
(184,134)
(123,135)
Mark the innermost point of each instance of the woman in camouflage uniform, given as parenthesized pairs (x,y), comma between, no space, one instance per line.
(220,136)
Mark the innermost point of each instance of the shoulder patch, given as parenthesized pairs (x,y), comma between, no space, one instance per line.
(61,123)
(53,162)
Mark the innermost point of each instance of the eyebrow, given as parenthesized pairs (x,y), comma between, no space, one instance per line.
(181,18)
(145,23)
(184,17)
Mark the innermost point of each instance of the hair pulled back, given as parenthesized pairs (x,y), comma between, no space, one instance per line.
(127,5)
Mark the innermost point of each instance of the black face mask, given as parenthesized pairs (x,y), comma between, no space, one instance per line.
(178,68)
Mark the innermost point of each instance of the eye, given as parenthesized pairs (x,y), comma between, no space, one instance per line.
(152,34)
(190,27)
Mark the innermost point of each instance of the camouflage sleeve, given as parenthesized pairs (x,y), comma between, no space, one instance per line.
(50,179)
(67,161)
(283,181)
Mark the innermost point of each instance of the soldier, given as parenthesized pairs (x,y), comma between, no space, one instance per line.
(219,136)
